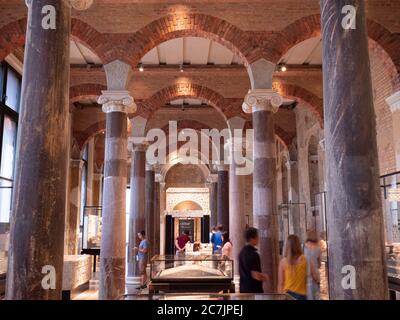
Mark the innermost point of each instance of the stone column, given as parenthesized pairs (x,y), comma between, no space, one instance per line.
(149,207)
(263,103)
(39,195)
(354,210)
(237,213)
(162,216)
(117,103)
(223,196)
(136,211)
(73,219)
(213,186)
(97,189)
(157,219)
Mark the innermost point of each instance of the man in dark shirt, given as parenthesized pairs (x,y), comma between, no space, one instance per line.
(181,241)
(251,277)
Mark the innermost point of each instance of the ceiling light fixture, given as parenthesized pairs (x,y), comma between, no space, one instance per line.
(141,67)
(283,68)
(181,68)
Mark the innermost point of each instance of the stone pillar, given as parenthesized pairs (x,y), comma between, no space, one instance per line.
(149,207)
(354,210)
(39,195)
(97,189)
(136,211)
(157,218)
(237,213)
(223,196)
(263,103)
(162,216)
(117,103)
(213,186)
(73,219)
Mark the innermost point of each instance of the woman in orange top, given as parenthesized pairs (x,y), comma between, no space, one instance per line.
(292,274)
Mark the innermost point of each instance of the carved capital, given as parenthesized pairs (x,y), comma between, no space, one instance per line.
(262,100)
(117,101)
(212,178)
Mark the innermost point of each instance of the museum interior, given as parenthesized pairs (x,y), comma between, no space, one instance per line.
(168,116)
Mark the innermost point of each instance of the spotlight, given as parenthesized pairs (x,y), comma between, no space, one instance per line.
(141,68)
(283,68)
(181,68)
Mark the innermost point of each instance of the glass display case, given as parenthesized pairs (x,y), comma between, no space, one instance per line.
(190,268)
(91,233)
(191,273)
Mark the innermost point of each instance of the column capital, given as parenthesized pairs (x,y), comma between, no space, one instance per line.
(262,100)
(322,144)
(76,163)
(97,176)
(394,102)
(117,101)
(222,166)
(212,178)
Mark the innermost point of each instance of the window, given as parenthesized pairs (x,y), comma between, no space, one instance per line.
(10,92)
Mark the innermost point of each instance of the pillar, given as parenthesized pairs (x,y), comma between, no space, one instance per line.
(73,218)
(97,189)
(117,103)
(157,218)
(223,196)
(237,212)
(263,103)
(149,207)
(162,216)
(136,211)
(213,187)
(39,195)
(354,211)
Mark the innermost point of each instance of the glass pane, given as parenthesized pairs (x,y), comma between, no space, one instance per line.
(13,90)
(5,200)
(1,81)
(8,148)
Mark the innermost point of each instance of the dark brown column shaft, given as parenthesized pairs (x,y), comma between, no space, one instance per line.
(149,208)
(157,219)
(213,204)
(264,194)
(112,262)
(223,197)
(354,212)
(136,212)
(72,227)
(37,225)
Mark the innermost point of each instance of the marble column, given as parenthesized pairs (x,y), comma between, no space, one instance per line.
(136,211)
(354,209)
(213,187)
(39,195)
(117,103)
(73,218)
(223,196)
(263,103)
(97,189)
(157,220)
(149,207)
(162,216)
(237,213)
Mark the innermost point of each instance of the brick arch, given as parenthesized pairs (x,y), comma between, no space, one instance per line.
(315,103)
(83,136)
(196,25)
(85,91)
(12,37)
(310,26)
(182,91)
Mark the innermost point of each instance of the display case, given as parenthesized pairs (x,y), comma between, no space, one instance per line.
(393,253)
(191,273)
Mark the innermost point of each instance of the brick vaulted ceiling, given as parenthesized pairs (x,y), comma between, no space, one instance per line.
(212,38)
